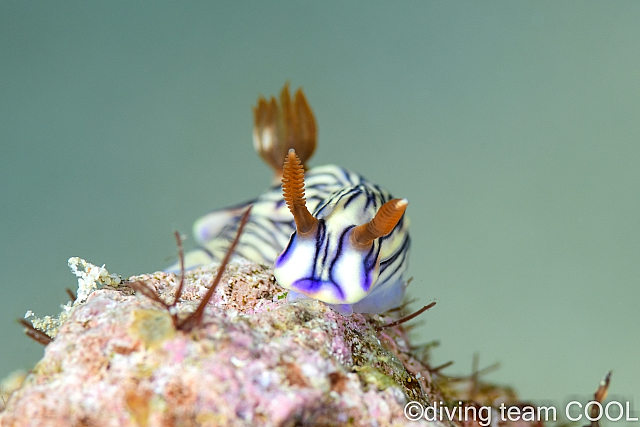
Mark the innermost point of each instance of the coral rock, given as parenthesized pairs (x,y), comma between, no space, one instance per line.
(256,360)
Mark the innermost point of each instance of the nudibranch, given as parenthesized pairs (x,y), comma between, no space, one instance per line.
(330,234)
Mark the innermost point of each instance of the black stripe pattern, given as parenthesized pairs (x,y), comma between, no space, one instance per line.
(324,266)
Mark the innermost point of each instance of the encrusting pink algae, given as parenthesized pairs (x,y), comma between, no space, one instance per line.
(256,360)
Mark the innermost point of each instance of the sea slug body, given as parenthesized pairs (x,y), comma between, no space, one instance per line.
(331,235)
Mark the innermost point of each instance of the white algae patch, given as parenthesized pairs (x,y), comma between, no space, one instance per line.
(89,277)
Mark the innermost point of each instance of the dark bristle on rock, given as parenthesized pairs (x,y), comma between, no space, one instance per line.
(195,318)
(406,318)
(34,334)
(72,295)
(181,285)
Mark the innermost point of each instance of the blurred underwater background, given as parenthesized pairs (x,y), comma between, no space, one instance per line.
(513,128)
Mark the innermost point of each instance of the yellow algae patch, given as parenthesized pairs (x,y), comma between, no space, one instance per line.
(152,327)
(10,384)
(372,376)
(138,403)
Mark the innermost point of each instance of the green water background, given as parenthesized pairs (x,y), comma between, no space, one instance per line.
(512,127)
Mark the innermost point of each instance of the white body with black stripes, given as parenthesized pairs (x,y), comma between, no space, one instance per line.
(322,266)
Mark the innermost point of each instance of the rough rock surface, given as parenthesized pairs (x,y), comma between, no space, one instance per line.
(257,360)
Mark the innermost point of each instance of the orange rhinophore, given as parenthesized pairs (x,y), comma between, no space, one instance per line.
(293,193)
(382,224)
